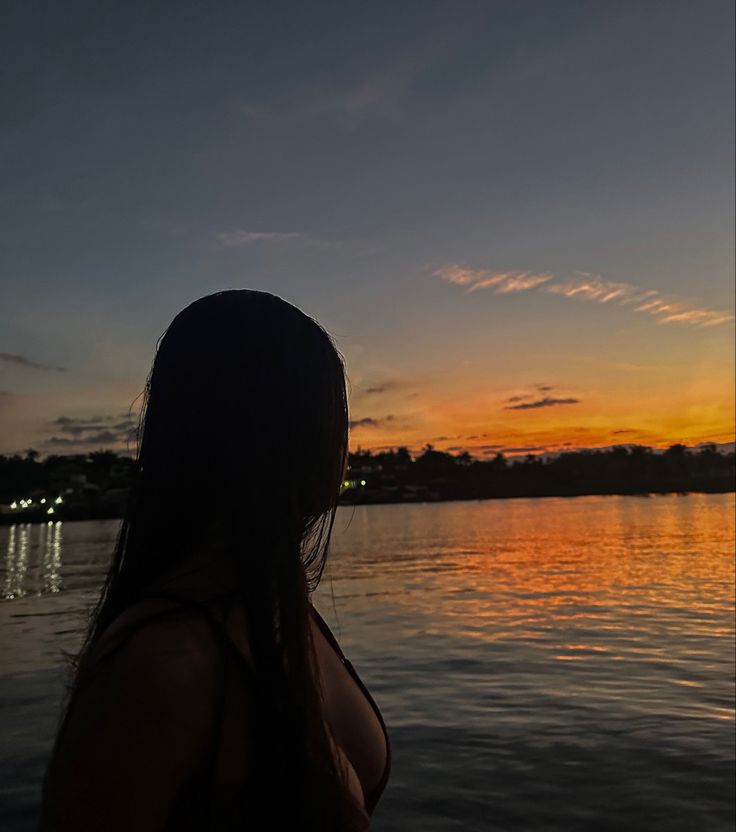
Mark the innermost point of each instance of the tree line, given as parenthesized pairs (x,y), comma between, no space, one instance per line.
(435,474)
(398,475)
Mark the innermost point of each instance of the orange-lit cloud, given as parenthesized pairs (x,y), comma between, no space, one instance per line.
(504,282)
(668,309)
(589,287)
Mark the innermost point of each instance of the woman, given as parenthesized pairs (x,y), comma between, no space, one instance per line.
(210,694)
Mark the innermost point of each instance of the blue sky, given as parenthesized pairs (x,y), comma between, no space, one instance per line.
(348,156)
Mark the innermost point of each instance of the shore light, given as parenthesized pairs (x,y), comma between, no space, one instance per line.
(14,504)
(58,500)
(50,510)
(43,500)
(362,482)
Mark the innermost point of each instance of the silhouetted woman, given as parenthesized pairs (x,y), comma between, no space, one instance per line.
(210,694)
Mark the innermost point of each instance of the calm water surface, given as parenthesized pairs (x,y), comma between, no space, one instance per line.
(545,664)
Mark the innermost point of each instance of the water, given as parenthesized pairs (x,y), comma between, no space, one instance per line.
(546,664)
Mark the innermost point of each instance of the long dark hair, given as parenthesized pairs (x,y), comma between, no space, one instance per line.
(243,439)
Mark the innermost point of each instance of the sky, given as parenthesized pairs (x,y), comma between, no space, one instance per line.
(515,218)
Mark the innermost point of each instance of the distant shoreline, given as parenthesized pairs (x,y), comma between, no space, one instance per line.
(76,515)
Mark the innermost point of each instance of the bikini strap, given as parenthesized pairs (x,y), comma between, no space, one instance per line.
(327,632)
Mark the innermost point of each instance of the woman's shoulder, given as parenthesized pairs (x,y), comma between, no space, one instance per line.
(158,661)
(165,633)
(143,717)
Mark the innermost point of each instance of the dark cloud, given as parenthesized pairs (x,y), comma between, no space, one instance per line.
(378,387)
(524,397)
(78,430)
(83,426)
(369,422)
(625,430)
(524,449)
(24,361)
(91,431)
(104,437)
(545,402)
(90,420)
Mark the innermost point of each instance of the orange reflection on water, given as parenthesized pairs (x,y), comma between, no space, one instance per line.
(615,570)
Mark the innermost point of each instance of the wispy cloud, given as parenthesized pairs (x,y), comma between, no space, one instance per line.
(501,282)
(240,237)
(371,97)
(665,308)
(547,401)
(244,238)
(24,361)
(590,287)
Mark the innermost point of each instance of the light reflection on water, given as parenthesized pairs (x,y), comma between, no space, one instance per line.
(32,562)
(547,664)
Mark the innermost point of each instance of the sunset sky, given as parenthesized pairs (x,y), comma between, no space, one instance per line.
(516,218)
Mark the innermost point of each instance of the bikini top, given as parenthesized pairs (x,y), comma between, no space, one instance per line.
(372,797)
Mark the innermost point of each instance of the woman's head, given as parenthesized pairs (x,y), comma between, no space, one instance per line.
(245,422)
